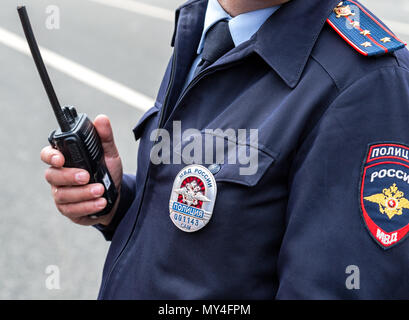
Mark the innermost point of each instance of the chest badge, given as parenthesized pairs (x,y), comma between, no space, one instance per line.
(192,199)
(384,193)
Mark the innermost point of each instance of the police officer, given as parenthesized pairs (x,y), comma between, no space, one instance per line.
(325,214)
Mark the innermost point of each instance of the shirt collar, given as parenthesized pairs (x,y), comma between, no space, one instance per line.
(242,27)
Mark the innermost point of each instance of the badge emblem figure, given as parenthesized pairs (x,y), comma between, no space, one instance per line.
(192,199)
(343,11)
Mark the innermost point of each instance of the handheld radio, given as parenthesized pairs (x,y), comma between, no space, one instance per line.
(76,138)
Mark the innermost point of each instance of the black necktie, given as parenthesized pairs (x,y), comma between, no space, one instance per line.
(218,41)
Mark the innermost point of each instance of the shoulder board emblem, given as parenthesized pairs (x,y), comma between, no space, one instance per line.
(362,30)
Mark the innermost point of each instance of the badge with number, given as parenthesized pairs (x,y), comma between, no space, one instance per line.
(193,196)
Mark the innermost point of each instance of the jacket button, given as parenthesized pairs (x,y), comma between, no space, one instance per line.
(214,168)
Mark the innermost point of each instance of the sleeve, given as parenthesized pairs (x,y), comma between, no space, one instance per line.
(332,177)
(127,194)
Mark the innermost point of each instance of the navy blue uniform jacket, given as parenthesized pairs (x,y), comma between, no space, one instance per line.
(290,230)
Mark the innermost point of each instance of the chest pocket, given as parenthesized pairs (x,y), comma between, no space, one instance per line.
(149,115)
(231,160)
(242,162)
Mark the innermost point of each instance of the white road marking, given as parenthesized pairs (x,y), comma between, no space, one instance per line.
(397,27)
(110,87)
(140,8)
(168,15)
(80,73)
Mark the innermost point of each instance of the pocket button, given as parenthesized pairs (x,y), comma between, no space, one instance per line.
(214,168)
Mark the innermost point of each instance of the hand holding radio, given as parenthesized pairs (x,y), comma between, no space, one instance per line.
(74,197)
(78,142)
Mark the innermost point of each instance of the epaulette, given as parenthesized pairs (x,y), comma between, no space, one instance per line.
(362,30)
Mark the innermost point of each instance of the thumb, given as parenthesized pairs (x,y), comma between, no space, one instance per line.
(103,127)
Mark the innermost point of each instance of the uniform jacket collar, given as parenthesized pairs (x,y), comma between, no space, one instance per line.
(285,41)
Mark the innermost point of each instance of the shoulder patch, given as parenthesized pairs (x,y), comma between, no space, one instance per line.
(384,193)
(362,30)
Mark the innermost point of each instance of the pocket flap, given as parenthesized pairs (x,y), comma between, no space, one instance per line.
(229,160)
(140,126)
(246,174)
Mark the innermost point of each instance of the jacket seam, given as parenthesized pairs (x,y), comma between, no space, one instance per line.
(326,71)
(370,74)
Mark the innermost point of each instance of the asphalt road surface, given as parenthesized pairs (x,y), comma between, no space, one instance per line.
(127,44)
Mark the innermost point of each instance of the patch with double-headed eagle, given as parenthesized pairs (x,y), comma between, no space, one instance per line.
(192,199)
(384,193)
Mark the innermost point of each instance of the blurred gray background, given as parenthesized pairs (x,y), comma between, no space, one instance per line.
(121,40)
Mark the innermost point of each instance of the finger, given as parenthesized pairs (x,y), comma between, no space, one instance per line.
(52,157)
(66,176)
(86,221)
(104,129)
(65,195)
(82,209)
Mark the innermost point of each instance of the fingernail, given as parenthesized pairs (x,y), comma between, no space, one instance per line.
(101,203)
(81,177)
(54,160)
(97,190)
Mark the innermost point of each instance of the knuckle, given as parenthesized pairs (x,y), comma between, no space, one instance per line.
(67,210)
(69,176)
(48,175)
(75,211)
(75,220)
(58,195)
(90,194)
(62,209)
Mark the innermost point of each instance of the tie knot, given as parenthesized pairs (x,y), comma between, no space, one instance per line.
(218,41)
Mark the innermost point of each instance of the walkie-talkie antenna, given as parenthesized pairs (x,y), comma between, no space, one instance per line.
(35,51)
